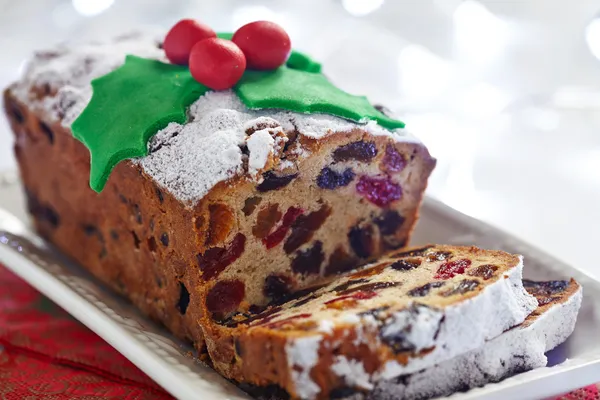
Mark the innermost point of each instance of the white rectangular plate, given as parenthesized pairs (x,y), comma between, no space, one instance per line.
(576,363)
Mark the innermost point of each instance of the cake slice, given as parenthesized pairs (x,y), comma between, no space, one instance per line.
(517,350)
(233,208)
(404,313)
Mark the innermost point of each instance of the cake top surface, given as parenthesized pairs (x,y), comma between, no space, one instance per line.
(186,158)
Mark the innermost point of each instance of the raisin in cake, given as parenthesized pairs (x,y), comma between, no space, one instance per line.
(236,206)
(407,312)
(517,350)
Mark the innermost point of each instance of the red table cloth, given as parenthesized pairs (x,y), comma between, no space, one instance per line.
(46,354)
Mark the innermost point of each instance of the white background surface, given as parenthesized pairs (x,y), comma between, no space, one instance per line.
(506,93)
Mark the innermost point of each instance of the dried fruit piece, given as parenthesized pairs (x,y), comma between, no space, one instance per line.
(277,286)
(452,268)
(359,295)
(215,260)
(439,256)
(304,228)
(225,297)
(274,182)
(412,253)
(164,239)
(361,241)
(406,265)
(464,286)
(424,290)
(393,161)
(220,223)
(371,287)
(288,219)
(345,286)
(184,299)
(370,271)
(339,262)
(396,332)
(250,205)
(389,222)
(151,242)
(266,219)
(359,151)
(547,288)
(379,191)
(309,261)
(485,271)
(330,179)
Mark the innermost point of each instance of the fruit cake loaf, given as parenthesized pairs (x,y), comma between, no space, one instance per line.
(517,350)
(235,206)
(397,316)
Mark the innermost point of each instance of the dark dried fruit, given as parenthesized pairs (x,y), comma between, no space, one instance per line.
(215,260)
(137,213)
(370,270)
(164,239)
(304,228)
(239,350)
(371,287)
(389,222)
(136,240)
(439,256)
(277,286)
(266,219)
(547,288)
(393,161)
(464,286)
(362,241)
(346,285)
(220,223)
(359,151)
(340,262)
(184,299)
(263,123)
(298,294)
(274,182)
(288,219)
(452,268)
(379,191)
(47,131)
(485,271)
(406,265)
(225,297)
(330,179)
(396,331)
(250,205)
(151,244)
(160,196)
(424,290)
(413,252)
(309,261)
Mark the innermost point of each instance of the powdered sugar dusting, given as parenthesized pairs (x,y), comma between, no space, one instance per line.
(353,372)
(303,355)
(206,149)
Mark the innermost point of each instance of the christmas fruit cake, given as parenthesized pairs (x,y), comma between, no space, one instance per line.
(402,314)
(519,349)
(229,182)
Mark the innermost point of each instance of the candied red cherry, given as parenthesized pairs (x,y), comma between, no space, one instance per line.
(225,297)
(265,44)
(217,63)
(379,191)
(452,268)
(214,260)
(279,234)
(182,37)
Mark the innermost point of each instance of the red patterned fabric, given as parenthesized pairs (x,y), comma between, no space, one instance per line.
(45,354)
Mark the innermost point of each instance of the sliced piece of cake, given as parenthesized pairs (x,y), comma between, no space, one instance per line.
(407,312)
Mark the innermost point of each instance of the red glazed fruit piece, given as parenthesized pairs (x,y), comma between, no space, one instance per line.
(452,268)
(266,219)
(214,261)
(225,297)
(379,191)
(217,63)
(359,151)
(265,44)
(406,265)
(220,224)
(309,261)
(182,37)
(288,219)
(304,228)
(393,161)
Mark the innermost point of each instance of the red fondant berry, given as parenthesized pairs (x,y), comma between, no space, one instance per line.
(182,37)
(217,63)
(379,191)
(265,44)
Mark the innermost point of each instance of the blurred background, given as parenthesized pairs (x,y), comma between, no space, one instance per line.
(506,93)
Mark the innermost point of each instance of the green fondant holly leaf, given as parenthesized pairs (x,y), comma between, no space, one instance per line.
(128,107)
(296,60)
(303,92)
